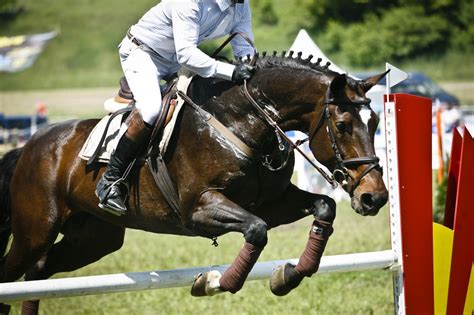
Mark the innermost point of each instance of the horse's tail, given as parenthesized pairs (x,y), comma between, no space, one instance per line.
(7,166)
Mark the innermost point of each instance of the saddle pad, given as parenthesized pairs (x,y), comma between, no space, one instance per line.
(116,130)
(114,133)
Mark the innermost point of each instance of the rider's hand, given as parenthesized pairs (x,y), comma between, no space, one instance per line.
(243,71)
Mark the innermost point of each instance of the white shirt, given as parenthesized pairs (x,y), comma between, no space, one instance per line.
(174,29)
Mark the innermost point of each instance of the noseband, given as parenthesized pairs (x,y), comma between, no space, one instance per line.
(341,172)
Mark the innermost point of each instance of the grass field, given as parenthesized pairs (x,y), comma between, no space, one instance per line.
(84,54)
(344,293)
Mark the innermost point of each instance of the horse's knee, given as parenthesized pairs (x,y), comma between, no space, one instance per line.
(325,209)
(256,233)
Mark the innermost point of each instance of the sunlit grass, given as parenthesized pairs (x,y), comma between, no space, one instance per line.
(85,53)
(344,293)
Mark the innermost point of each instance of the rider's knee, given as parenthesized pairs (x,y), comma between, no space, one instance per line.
(325,209)
(256,234)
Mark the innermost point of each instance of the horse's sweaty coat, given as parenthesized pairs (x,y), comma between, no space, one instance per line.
(219,190)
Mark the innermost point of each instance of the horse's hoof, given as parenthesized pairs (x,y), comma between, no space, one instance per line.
(284,279)
(207,284)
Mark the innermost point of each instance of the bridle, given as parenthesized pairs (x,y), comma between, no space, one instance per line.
(340,174)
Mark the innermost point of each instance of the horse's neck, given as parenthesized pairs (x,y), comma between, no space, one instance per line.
(291,95)
(226,102)
(285,105)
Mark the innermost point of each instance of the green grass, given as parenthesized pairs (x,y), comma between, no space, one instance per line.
(368,292)
(84,54)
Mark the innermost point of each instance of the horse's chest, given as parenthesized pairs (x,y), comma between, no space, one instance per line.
(256,187)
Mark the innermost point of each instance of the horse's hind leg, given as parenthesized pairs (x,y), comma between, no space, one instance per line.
(216,215)
(86,240)
(291,206)
(30,242)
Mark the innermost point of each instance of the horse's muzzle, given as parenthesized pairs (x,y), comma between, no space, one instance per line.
(369,203)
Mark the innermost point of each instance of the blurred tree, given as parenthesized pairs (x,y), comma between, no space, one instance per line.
(267,14)
(463,37)
(7,5)
(379,39)
(9,9)
(343,11)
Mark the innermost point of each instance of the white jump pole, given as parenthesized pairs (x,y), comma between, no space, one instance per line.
(161,279)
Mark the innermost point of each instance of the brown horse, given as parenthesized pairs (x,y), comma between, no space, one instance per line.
(46,189)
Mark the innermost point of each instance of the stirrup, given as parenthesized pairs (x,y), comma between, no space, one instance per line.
(104,202)
(115,211)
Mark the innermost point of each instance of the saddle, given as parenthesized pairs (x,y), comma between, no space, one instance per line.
(120,106)
(101,142)
(124,98)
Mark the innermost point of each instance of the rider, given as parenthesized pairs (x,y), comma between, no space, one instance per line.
(165,39)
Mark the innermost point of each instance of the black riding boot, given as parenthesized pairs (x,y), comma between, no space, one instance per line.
(112,189)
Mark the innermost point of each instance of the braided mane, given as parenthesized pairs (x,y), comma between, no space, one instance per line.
(289,61)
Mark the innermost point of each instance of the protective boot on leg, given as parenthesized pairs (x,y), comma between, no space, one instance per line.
(112,188)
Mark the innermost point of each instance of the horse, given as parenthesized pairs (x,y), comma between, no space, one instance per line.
(47,190)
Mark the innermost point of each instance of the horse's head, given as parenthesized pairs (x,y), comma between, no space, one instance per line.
(342,138)
(332,108)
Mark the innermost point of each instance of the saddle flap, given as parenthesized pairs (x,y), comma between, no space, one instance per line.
(103,139)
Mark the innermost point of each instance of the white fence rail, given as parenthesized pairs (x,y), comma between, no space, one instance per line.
(161,279)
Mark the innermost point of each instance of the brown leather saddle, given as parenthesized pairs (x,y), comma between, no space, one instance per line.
(125,96)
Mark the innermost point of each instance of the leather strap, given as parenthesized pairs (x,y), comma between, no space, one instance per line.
(211,120)
(282,134)
(133,39)
(163,180)
(94,156)
(227,41)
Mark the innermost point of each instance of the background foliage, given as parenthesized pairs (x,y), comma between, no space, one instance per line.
(435,36)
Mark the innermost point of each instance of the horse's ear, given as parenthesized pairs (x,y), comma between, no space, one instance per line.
(368,83)
(338,83)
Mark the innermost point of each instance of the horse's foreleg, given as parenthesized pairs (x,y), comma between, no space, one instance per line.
(216,215)
(295,204)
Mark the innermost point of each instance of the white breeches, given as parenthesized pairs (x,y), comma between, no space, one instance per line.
(144,70)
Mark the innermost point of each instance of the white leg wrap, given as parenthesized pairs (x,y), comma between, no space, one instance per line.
(212,286)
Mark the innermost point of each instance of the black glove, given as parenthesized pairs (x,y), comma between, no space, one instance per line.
(243,71)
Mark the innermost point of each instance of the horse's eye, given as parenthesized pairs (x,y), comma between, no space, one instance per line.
(341,126)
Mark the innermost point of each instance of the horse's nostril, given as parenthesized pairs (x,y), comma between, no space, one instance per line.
(367,201)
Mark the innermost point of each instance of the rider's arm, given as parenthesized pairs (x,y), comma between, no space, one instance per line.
(240,46)
(185,18)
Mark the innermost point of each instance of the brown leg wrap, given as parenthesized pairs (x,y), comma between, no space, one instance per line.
(311,257)
(234,277)
(30,307)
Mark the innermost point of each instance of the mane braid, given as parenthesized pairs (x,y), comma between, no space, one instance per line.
(289,61)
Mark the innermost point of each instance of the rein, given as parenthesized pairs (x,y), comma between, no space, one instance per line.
(341,173)
(281,134)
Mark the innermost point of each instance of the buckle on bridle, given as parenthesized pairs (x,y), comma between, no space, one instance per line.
(340,176)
